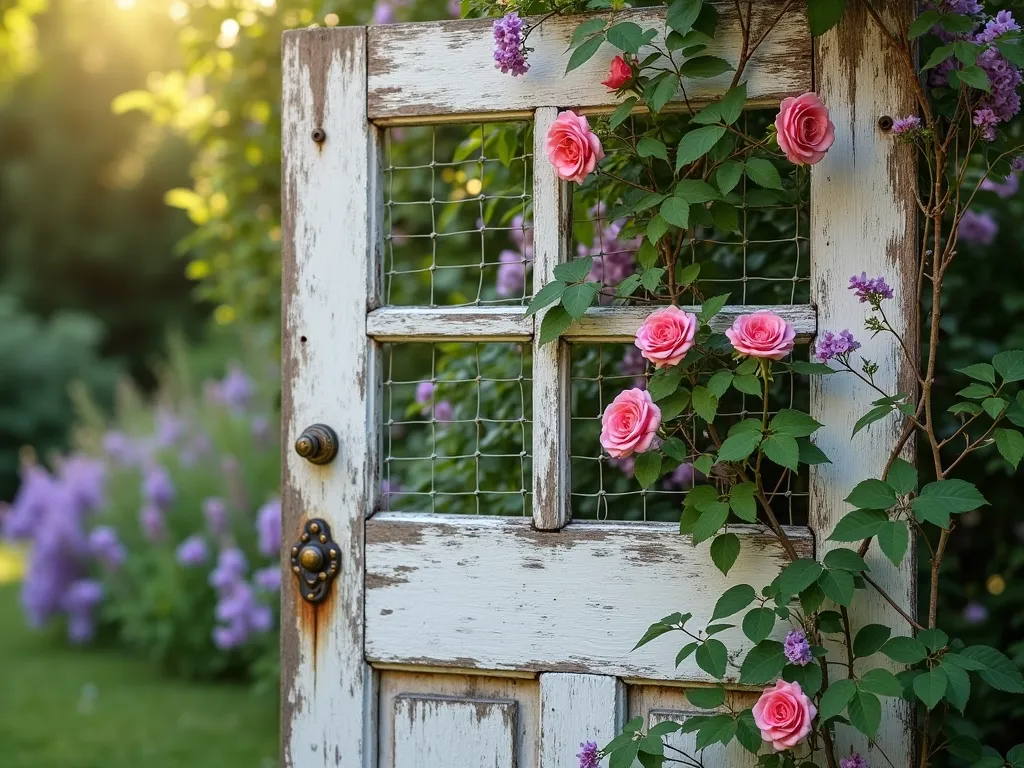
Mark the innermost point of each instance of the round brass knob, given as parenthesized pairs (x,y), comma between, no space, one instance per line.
(318,444)
(312,558)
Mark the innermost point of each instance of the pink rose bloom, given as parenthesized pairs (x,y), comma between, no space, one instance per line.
(619,74)
(804,129)
(666,336)
(784,715)
(629,424)
(572,147)
(762,334)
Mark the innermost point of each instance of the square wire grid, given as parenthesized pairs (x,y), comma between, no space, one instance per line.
(604,488)
(766,262)
(457,215)
(457,422)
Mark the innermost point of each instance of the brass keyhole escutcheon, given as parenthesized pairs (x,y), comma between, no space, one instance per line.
(316,561)
(318,444)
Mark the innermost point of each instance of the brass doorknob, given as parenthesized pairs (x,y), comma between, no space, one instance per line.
(316,560)
(318,444)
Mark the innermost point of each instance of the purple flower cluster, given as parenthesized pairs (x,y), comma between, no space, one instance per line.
(831,345)
(268,528)
(853,761)
(442,410)
(614,257)
(589,755)
(510,45)
(977,227)
(51,512)
(235,390)
(797,649)
(870,290)
(193,551)
(975,613)
(1005,189)
(514,264)
(239,613)
(906,125)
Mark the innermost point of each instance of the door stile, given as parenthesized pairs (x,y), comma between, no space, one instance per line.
(575,709)
(331,264)
(863,218)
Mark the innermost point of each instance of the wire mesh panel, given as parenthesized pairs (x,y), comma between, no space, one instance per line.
(759,256)
(604,487)
(457,214)
(456,428)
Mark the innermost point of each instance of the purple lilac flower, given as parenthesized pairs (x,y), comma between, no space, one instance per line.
(1005,189)
(684,477)
(906,124)
(268,579)
(965,7)
(444,412)
(30,507)
(121,448)
(383,12)
(980,228)
(986,120)
(511,274)
(105,545)
(853,761)
(1003,102)
(192,551)
(510,45)
(797,649)
(831,345)
(521,233)
(157,487)
(215,511)
(268,527)
(455,8)
(1017,165)
(975,613)
(151,521)
(85,478)
(236,388)
(424,392)
(589,755)
(231,567)
(870,289)
(79,601)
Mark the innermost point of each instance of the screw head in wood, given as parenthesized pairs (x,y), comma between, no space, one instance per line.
(319,134)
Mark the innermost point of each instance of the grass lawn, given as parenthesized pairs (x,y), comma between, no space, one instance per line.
(80,708)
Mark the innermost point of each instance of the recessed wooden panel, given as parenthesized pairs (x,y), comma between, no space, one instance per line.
(494,593)
(445,69)
(658,704)
(430,720)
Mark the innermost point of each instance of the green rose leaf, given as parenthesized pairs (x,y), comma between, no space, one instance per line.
(734,600)
(763,663)
(724,551)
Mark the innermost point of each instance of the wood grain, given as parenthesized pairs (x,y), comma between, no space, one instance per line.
(576,709)
(331,372)
(494,593)
(863,219)
(418,72)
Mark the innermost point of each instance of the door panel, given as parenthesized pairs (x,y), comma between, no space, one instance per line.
(432,720)
(493,593)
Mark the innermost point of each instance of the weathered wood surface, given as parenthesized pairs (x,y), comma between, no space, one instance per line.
(576,709)
(493,593)
(443,71)
(431,731)
(329,278)
(399,690)
(599,324)
(863,219)
(552,238)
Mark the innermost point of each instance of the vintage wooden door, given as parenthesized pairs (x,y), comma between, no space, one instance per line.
(480,640)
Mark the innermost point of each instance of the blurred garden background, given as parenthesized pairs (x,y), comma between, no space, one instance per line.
(139,373)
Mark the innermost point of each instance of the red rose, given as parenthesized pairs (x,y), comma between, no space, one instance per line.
(619,74)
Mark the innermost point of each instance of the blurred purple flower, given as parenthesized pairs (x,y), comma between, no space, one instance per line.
(1005,189)
(151,521)
(120,448)
(383,12)
(268,527)
(975,613)
(521,233)
(856,760)
(684,477)
(169,428)
(455,8)
(238,614)
(85,478)
(444,412)
(106,546)
(424,392)
(31,503)
(511,274)
(79,601)
(215,510)
(157,487)
(192,551)
(623,465)
(236,388)
(979,228)
(259,428)
(268,579)
(231,567)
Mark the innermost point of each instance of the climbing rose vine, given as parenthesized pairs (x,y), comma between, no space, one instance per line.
(663,178)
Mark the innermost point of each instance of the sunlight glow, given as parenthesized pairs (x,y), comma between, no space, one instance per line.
(125,5)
